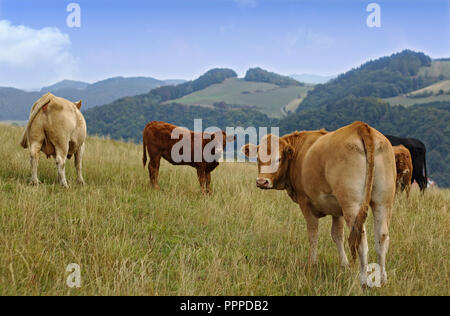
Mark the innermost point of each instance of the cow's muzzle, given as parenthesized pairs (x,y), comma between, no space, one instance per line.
(263,183)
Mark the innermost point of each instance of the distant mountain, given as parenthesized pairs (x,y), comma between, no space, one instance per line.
(65,84)
(311,78)
(15,104)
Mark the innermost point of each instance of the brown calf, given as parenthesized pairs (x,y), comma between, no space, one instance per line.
(404,166)
(158,141)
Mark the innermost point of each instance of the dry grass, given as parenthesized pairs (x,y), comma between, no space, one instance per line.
(131,240)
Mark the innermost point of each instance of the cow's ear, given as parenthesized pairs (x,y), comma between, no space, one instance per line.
(250,150)
(78,104)
(288,152)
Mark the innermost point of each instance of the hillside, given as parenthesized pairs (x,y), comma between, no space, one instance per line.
(16,104)
(438,69)
(126,117)
(266,97)
(385,77)
(213,76)
(65,84)
(260,75)
(131,240)
(437,92)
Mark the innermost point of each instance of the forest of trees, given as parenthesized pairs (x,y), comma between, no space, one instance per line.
(383,78)
(126,118)
(261,75)
(209,78)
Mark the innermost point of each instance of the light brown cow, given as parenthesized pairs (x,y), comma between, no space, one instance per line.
(336,173)
(56,127)
(159,141)
(404,166)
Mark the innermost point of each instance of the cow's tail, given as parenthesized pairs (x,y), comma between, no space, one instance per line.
(425,170)
(354,239)
(144,155)
(43,101)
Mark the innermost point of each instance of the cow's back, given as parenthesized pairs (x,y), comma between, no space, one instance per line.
(158,139)
(336,163)
(59,122)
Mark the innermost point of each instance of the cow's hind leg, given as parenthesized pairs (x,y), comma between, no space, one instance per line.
(61,156)
(337,233)
(350,212)
(79,164)
(35,149)
(381,214)
(153,170)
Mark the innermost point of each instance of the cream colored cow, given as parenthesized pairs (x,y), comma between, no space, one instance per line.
(57,128)
(336,173)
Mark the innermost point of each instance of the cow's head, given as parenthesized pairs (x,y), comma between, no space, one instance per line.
(273,155)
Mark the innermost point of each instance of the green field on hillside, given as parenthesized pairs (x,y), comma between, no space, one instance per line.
(437,68)
(268,98)
(439,91)
(405,101)
(131,240)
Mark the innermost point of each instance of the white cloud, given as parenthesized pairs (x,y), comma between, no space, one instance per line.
(31,58)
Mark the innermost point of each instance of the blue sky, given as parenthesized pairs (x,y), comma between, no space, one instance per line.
(184,38)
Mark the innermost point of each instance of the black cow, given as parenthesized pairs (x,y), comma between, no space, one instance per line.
(417,150)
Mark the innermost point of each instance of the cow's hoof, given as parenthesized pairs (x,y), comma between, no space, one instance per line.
(384,278)
(35,182)
(345,264)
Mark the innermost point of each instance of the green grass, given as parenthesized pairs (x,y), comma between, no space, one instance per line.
(443,85)
(436,69)
(405,101)
(268,98)
(130,239)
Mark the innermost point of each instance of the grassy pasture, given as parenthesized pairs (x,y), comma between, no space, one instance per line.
(131,240)
(268,98)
